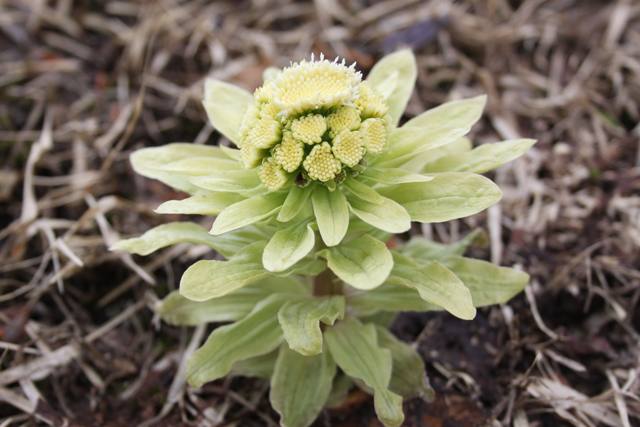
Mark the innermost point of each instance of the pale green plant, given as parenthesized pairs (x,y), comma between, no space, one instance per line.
(321,180)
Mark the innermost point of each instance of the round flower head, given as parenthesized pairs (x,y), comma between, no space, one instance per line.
(314,121)
(309,129)
(272,175)
(308,86)
(289,153)
(344,118)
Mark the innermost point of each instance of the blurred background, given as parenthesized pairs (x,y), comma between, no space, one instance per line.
(84,83)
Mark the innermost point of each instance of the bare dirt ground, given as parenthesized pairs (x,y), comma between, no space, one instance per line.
(83,83)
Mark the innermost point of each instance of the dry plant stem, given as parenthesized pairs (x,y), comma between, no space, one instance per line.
(326,283)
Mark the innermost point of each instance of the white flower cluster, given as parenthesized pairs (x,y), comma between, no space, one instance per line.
(312,121)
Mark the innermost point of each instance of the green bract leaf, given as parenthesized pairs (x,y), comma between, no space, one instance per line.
(148,162)
(436,127)
(165,235)
(178,310)
(256,334)
(236,181)
(408,378)
(300,320)
(354,348)
(394,176)
(225,105)
(234,153)
(199,166)
(363,191)
(388,216)
(363,263)
(435,284)
(210,204)
(448,196)
(389,298)
(212,279)
(421,249)
(462,113)
(482,158)
(332,213)
(300,386)
(295,201)
(247,212)
(458,146)
(489,284)
(288,247)
(395,76)
(259,366)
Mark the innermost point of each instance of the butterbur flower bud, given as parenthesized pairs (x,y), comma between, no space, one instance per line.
(374,135)
(323,178)
(272,175)
(289,153)
(320,164)
(319,104)
(348,147)
(344,118)
(309,129)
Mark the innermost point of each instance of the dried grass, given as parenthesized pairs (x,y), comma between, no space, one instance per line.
(82,85)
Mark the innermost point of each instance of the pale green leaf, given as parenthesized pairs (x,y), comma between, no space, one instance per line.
(393,176)
(357,228)
(388,216)
(205,279)
(165,235)
(210,204)
(388,298)
(200,166)
(229,244)
(225,105)
(233,153)
(178,310)
(417,163)
(488,283)
(177,232)
(256,334)
(237,181)
(435,284)
(332,214)
(380,318)
(288,246)
(363,263)
(425,250)
(408,376)
(354,348)
(259,366)
(482,158)
(300,320)
(247,212)
(295,201)
(448,196)
(300,386)
(460,113)
(363,191)
(433,128)
(395,76)
(148,162)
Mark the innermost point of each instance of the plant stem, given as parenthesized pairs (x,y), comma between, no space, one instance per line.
(326,283)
